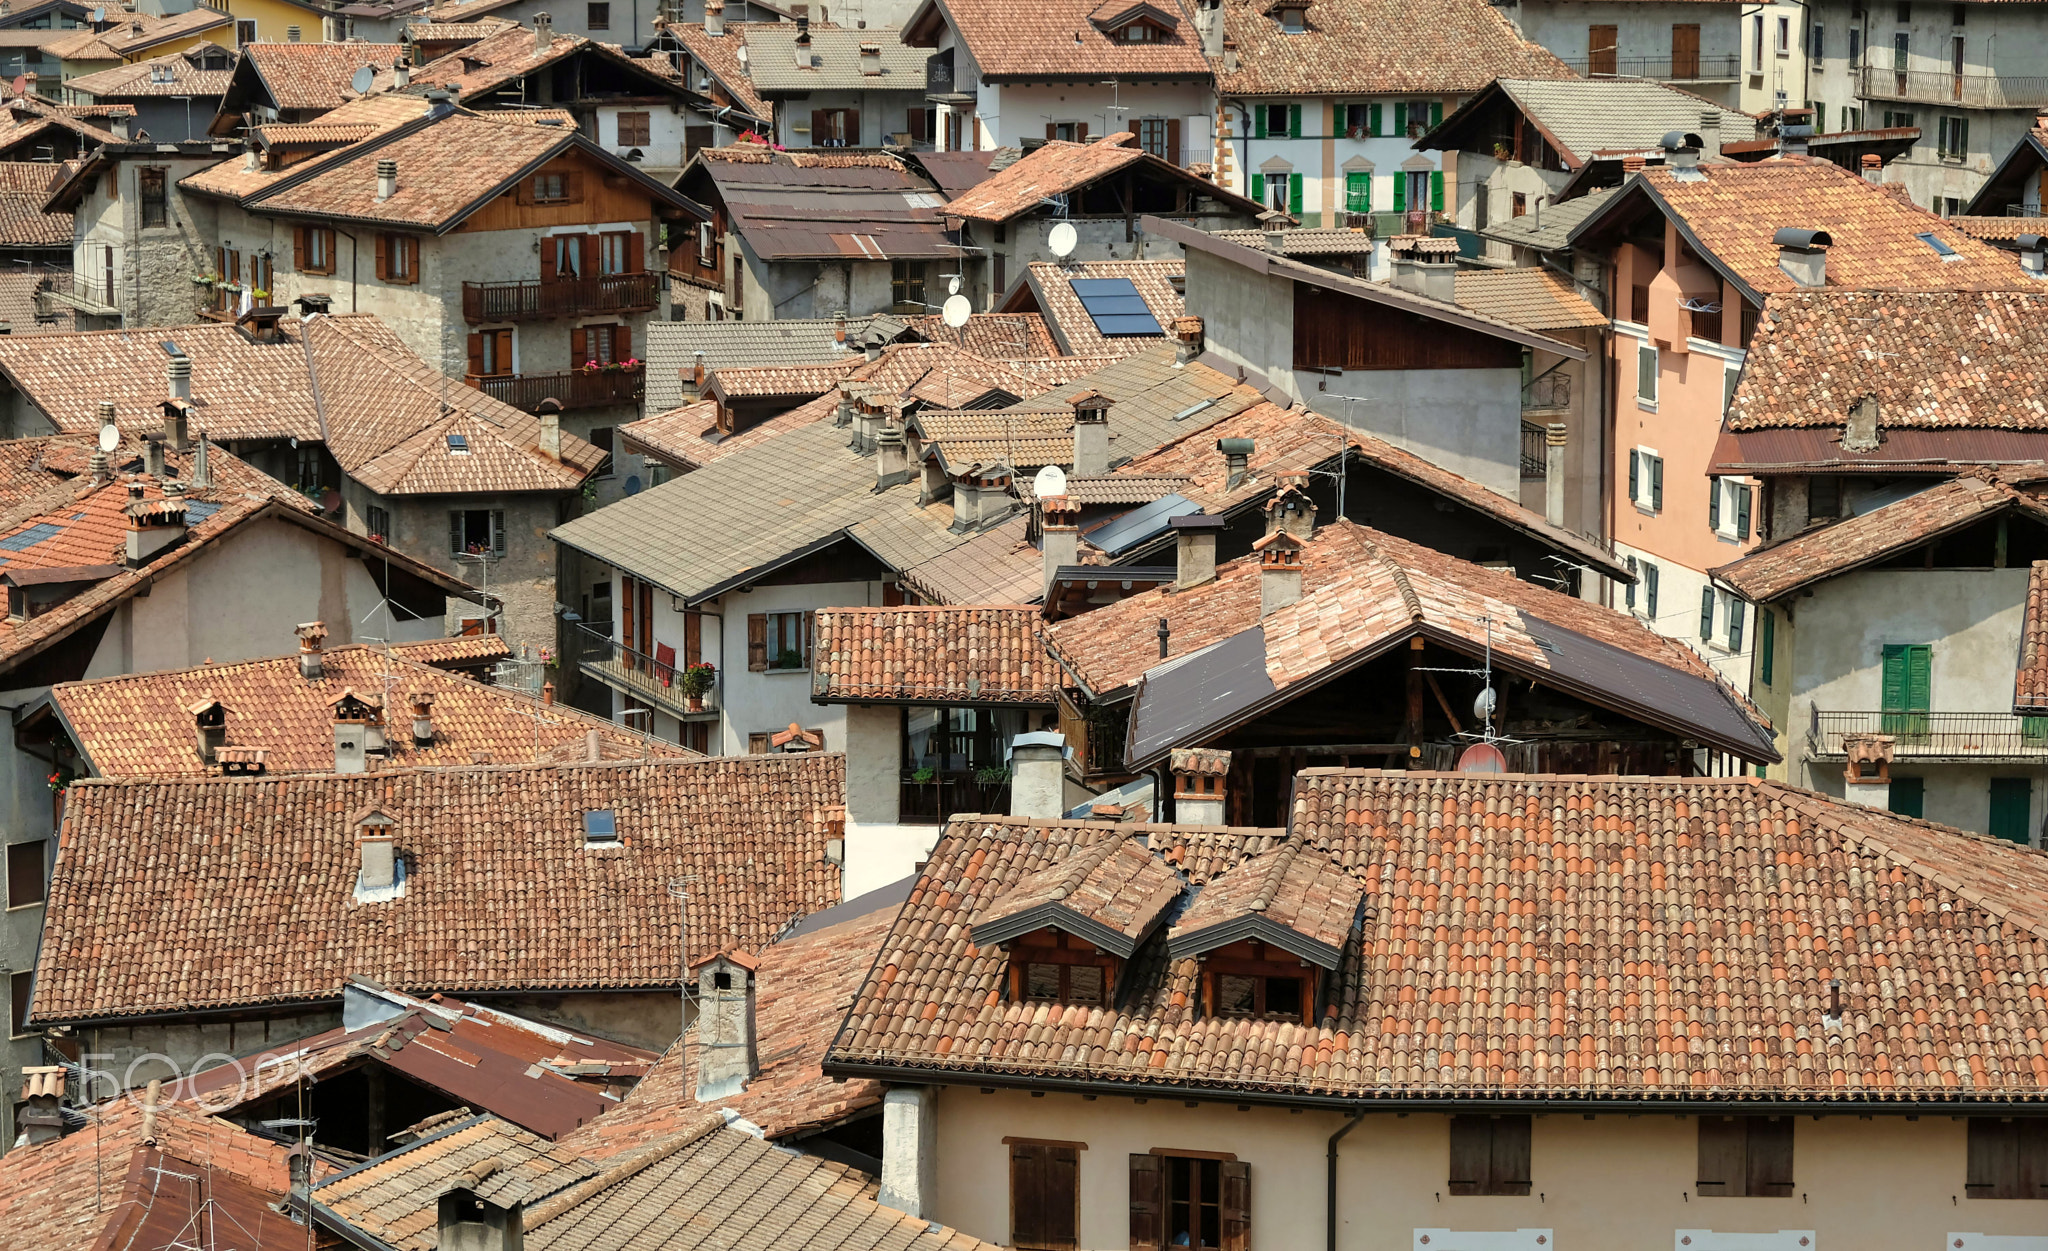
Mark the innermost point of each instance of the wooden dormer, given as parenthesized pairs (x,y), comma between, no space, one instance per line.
(1071,926)
(1267,932)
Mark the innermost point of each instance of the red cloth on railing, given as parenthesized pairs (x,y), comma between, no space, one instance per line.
(665,663)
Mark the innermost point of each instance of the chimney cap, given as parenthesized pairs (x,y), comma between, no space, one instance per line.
(1197,521)
(310,631)
(1680,141)
(1236,447)
(2030,243)
(371,815)
(1802,240)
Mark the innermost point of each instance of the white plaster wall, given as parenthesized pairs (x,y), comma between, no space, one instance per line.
(1013,112)
(1642,31)
(1678,611)
(1321,151)
(664,148)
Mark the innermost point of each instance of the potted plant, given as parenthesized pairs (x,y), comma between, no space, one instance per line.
(1500,150)
(697,679)
(992,779)
(923,775)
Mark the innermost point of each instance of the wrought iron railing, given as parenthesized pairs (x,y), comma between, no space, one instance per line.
(1977,91)
(658,679)
(1549,390)
(577,297)
(77,290)
(933,799)
(1533,455)
(576,388)
(1935,735)
(1684,67)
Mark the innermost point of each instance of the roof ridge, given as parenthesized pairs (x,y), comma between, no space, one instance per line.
(564,1200)
(1392,566)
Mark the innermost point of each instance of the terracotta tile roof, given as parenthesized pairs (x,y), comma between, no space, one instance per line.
(802,989)
(1781,568)
(2030,685)
(98,1188)
(1930,360)
(807,380)
(2001,228)
(1000,565)
(1503,889)
(449,32)
(1734,210)
(26,116)
(1070,322)
(461,651)
(721,57)
(1307,240)
(350,123)
(997,336)
(1058,40)
(1293,896)
(1112,893)
(1376,47)
(132,32)
(500,59)
(1582,117)
(500,890)
(23,223)
(713,1187)
(1121,487)
(139,78)
(137,726)
(982,654)
(1540,299)
(1021,439)
(1055,169)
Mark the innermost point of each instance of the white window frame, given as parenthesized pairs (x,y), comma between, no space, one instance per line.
(1783,35)
(1645,494)
(1656,362)
(1730,491)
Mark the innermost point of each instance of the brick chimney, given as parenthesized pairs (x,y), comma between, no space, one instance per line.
(1279,571)
(466,1221)
(1059,540)
(1038,775)
(839,327)
(422,718)
(1237,456)
(1291,509)
(1553,473)
(311,635)
(1195,549)
(354,716)
(387,177)
(1187,340)
(379,875)
(1867,772)
(210,720)
(1803,254)
(714,18)
(1198,785)
(727,1057)
(1091,433)
(543,33)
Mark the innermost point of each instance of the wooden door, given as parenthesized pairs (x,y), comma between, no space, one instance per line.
(1601,45)
(1685,50)
(1044,1196)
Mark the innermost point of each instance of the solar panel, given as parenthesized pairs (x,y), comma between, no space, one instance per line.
(1116,307)
(1134,527)
(197,511)
(31,536)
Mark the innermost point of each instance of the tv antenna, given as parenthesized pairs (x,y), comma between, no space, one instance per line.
(679,890)
(1487,702)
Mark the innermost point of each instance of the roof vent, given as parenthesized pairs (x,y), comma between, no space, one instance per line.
(387,177)
(2033,250)
(312,635)
(1803,254)
(871,59)
(543,33)
(714,18)
(1682,154)
(210,720)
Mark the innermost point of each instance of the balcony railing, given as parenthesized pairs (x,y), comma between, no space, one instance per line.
(931,801)
(578,297)
(1547,392)
(656,679)
(1683,68)
(1936,735)
(1533,454)
(577,388)
(1975,91)
(87,295)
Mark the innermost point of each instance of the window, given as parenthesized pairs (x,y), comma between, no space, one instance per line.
(1602,43)
(1358,120)
(1956,13)
(18,989)
(1729,377)
(1901,53)
(313,250)
(615,252)
(1258,995)
(1521,204)
(1893,118)
(600,345)
(1152,130)
(1905,11)
(245,33)
(398,258)
(1685,50)
(490,354)
(1646,375)
(1745,1156)
(1766,644)
(1908,687)
(953,760)
(1728,505)
(1646,479)
(1707,613)
(1953,142)
(1823,499)
(309,475)
(567,253)
(906,285)
(778,642)
(1816,39)
(598,17)
(1071,132)
(601,438)
(25,874)
(1293,21)
(2012,802)
(1138,32)
(601,825)
(1909,796)
(1358,191)
(1855,48)
(835,128)
(1250,979)
(1050,966)
(1629,590)
(1045,1195)
(1274,120)
(2008,1157)
(1951,207)
(1489,1155)
(551,188)
(476,531)
(1784,44)
(378,521)
(156,207)
(636,129)
(1650,590)
(1756,44)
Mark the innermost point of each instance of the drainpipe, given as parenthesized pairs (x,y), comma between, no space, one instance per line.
(1330,1190)
(354,249)
(1244,139)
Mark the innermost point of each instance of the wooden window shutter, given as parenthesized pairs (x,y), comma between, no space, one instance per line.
(1436,191)
(476,355)
(1148,1220)
(1400,118)
(1714,503)
(1657,483)
(497,532)
(547,258)
(579,347)
(1770,1156)
(1511,1155)
(636,253)
(1723,1143)
(1173,140)
(1081,131)
(1258,121)
(693,638)
(853,128)
(817,127)
(383,258)
(525,193)
(757,642)
(1237,1205)
(1137,130)
(1994,1158)
(1471,1154)
(628,593)
(622,341)
(455,531)
(299,247)
(1052,130)
(1044,1189)
(1294,194)
(2030,1167)
(1372,114)
(1400,192)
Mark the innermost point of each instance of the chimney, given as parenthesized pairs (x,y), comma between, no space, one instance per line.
(1710,134)
(401,74)
(422,718)
(1237,454)
(980,496)
(1291,510)
(42,1091)
(873,346)
(376,851)
(1038,775)
(465,1221)
(1059,540)
(98,463)
(178,381)
(1873,168)
(843,415)
(201,476)
(543,33)
(796,739)
(1229,55)
(1804,255)
(153,525)
(727,1058)
(1867,773)
(802,49)
(714,18)
(839,327)
(892,461)
(1681,152)
(1091,433)
(1187,340)
(1195,549)
(1553,473)
(550,415)
(387,177)
(153,455)
(210,720)
(352,718)
(693,381)
(119,126)
(2033,251)
(1792,140)
(1198,780)
(1279,571)
(1631,165)
(1274,223)
(871,59)
(311,635)
(547,694)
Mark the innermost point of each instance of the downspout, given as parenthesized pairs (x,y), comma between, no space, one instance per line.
(1244,139)
(1330,1189)
(354,249)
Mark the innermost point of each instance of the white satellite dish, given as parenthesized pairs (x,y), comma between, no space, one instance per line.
(956,310)
(953,285)
(360,83)
(1050,482)
(1063,239)
(110,438)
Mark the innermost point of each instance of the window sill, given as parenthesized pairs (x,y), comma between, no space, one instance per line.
(26,906)
(781,673)
(1648,406)
(1644,509)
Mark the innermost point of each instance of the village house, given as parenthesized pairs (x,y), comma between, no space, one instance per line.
(1692,44)
(1106,1034)
(295,82)
(174,97)
(1074,300)
(2014,189)
(37,130)
(838,87)
(709,57)
(126,36)
(1696,256)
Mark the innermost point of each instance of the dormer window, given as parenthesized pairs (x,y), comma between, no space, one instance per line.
(1070,927)
(1141,22)
(1294,21)
(1048,966)
(1266,932)
(1138,32)
(1258,980)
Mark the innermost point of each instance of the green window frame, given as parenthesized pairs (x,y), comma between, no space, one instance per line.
(1650,590)
(1909,796)
(1357,192)
(1908,687)
(2012,810)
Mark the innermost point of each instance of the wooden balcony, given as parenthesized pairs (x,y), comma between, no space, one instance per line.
(576,388)
(578,297)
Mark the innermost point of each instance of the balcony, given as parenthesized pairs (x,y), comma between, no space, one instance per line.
(1534,457)
(72,290)
(576,388)
(653,680)
(1970,91)
(578,297)
(1683,68)
(1935,736)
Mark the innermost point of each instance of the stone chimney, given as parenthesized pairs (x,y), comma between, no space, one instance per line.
(1290,509)
(210,720)
(312,635)
(714,18)
(871,60)
(354,718)
(1803,254)
(1237,456)
(1198,785)
(42,1093)
(1274,224)
(1194,549)
(550,415)
(153,455)
(1867,773)
(1091,433)
(1229,55)
(2033,250)
(201,476)
(153,525)
(1425,266)
(1187,340)
(1553,473)
(543,33)
(727,1058)
(1279,571)
(1710,134)
(387,177)
(1873,168)
(465,1221)
(1038,775)
(892,460)
(378,874)
(980,495)
(1059,540)
(401,74)
(422,718)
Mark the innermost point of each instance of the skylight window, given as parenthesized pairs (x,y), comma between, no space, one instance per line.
(1942,250)
(601,825)
(458,445)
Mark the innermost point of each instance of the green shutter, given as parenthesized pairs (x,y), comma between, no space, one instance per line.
(1258,121)
(1713,503)
(1630,589)
(1358,192)
(1766,643)
(1657,484)
(1372,113)
(1650,590)
(1907,687)
(1909,796)
(1400,118)
(1258,188)
(1436,113)
(1635,476)
(1743,495)
(1294,194)
(1400,192)
(1737,611)
(2012,809)
(1707,612)
(1294,121)
(1436,191)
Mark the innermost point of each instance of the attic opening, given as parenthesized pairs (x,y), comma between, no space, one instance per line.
(1259,981)
(2008,541)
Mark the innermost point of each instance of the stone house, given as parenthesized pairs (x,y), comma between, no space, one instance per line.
(839,87)
(174,97)
(1692,44)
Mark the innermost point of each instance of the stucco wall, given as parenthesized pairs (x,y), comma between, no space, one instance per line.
(1324,149)
(879,850)
(1606,1183)
(1013,112)
(1641,31)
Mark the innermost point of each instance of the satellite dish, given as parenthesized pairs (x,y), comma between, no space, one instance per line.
(360,84)
(1063,240)
(1050,482)
(1484,703)
(953,285)
(1482,758)
(99,15)
(956,310)
(21,84)
(110,438)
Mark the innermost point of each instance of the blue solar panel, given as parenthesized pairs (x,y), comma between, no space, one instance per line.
(31,536)
(197,511)
(1139,524)
(1116,307)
